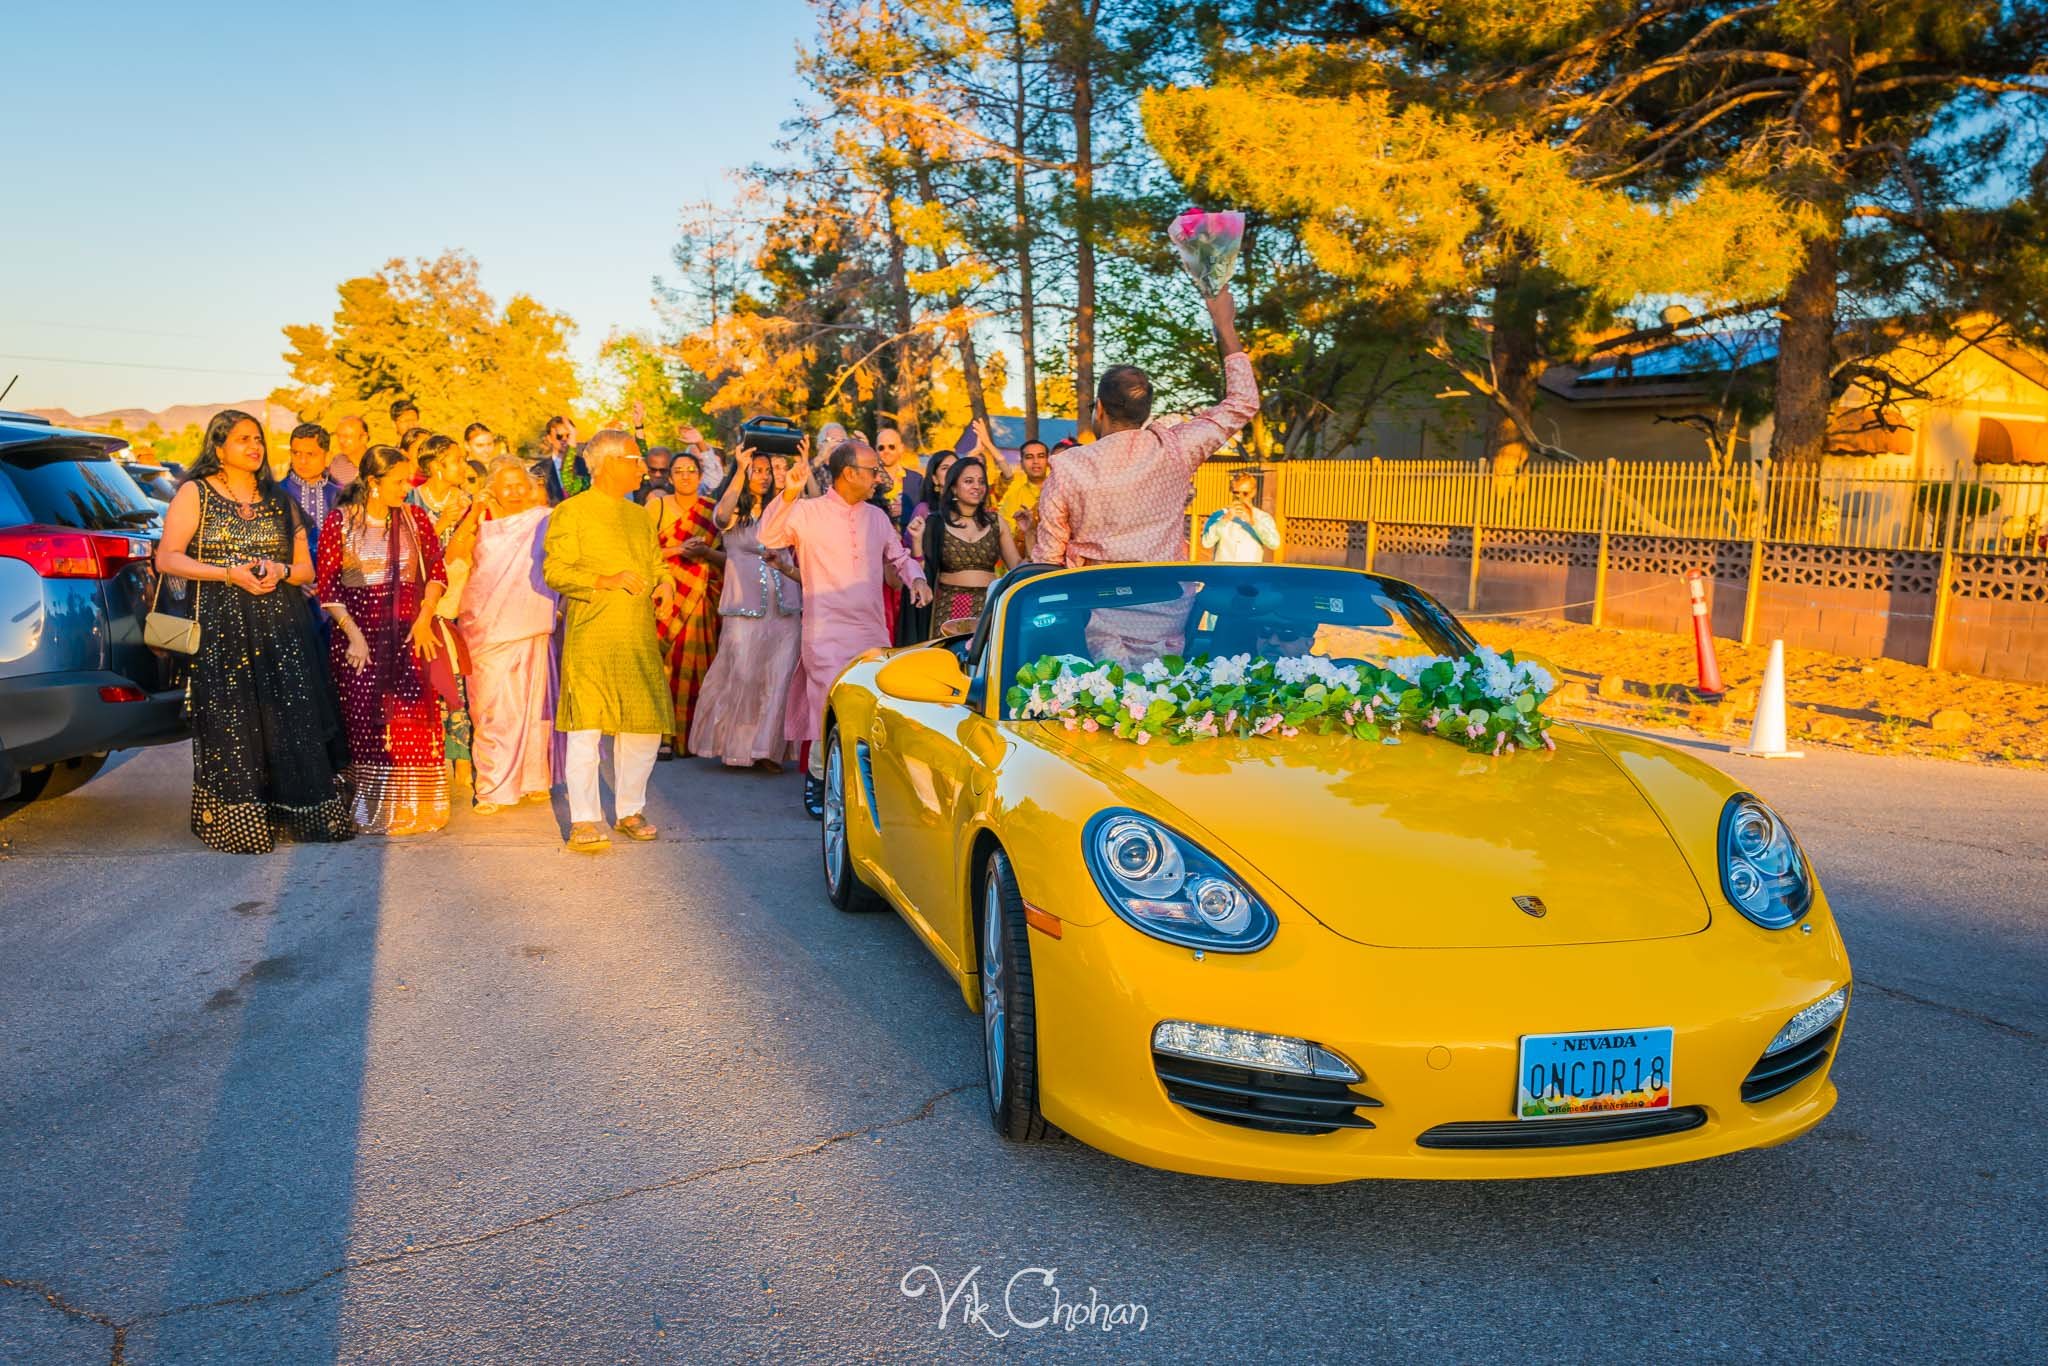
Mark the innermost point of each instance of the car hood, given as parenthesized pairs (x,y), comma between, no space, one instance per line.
(1420,844)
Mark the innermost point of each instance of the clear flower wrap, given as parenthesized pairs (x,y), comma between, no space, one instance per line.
(1208,244)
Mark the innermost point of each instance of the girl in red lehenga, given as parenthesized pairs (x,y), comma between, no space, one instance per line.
(380,577)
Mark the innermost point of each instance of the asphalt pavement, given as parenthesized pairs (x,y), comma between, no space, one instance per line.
(471,1098)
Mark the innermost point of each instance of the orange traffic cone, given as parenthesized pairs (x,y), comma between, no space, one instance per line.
(1702,638)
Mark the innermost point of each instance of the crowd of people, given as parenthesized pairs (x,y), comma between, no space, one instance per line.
(393,627)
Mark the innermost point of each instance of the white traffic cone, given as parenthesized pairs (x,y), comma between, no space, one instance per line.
(1767,735)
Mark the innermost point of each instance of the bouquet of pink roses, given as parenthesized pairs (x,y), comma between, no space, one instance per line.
(1208,243)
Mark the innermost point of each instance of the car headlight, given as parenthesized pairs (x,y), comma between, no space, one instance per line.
(1167,887)
(1762,870)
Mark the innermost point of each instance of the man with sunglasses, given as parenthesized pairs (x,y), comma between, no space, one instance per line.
(843,544)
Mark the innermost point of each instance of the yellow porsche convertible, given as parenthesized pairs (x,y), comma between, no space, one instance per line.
(1331,949)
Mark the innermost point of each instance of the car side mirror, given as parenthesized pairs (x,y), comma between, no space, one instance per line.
(927,675)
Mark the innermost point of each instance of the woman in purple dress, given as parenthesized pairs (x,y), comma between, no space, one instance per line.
(739,716)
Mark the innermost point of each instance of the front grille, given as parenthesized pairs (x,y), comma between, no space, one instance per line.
(1563,1133)
(1776,1073)
(1278,1102)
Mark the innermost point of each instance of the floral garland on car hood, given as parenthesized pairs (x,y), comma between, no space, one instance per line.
(1484,700)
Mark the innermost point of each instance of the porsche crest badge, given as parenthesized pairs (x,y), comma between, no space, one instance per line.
(1532,905)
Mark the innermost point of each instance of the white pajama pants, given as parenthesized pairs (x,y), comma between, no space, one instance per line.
(632,763)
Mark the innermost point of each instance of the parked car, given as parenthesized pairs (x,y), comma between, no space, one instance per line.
(158,481)
(77,536)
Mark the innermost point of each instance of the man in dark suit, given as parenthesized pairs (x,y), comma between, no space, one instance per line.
(905,483)
(560,468)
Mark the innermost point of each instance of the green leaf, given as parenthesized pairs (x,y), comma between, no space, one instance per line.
(1526,703)
(1015,699)
(1366,730)
(1173,664)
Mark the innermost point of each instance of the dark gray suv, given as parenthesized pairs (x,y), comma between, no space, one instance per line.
(76,681)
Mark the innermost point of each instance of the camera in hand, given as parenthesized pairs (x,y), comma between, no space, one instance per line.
(772,435)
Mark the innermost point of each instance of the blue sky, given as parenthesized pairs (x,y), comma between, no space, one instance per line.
(184,179)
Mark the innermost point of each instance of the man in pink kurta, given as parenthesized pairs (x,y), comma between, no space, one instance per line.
(842,544)
(1124,499)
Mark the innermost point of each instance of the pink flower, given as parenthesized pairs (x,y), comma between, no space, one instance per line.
(1548,743)
(1091,725)
(1498,740)
(1474,729)
(1071,724)
(1143,737)
(1267,724)
(1289,731)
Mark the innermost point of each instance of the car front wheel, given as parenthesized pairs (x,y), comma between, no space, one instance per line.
(842,883)
(1009,1016)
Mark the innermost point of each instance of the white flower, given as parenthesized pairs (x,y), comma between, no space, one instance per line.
(1229,671)
(1153,672)
(1293,669)
(1409,668)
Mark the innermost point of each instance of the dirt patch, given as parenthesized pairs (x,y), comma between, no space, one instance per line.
(1877,706)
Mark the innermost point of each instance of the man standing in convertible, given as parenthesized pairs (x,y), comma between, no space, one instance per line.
(1124,499)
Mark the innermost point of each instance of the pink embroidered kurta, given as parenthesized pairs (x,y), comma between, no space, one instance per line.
(1124,499)
(841,550)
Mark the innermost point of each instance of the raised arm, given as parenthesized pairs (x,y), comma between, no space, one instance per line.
(780,525)
(729,497)
(1212,530)
(1199,437)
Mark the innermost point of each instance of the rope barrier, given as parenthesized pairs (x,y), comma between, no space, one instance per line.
(1565,606)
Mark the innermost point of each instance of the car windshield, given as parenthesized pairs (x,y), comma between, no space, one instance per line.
(1131,615)
(71,486)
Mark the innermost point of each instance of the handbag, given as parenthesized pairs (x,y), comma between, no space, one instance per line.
(168,630)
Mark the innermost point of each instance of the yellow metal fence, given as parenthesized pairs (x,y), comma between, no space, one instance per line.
(2003,510)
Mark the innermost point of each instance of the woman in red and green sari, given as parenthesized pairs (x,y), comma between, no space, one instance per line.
(693,561)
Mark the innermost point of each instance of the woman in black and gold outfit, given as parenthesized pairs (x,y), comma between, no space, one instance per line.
(268,750)
(966,545)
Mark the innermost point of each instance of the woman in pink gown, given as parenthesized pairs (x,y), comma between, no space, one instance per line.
(741,703)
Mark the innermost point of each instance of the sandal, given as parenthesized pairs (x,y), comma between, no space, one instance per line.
(637,827)
(588,837)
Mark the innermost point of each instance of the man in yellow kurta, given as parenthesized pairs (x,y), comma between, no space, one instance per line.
(602,557)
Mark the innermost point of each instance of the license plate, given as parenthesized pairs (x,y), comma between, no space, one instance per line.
(1603,1072)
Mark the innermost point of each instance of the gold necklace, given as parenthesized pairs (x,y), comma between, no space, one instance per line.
(245,511)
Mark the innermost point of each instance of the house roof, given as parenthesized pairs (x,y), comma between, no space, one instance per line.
(1708,354)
